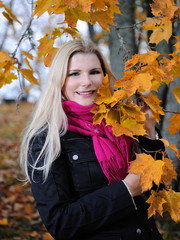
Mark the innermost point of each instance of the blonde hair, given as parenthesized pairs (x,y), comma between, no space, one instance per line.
(49,114)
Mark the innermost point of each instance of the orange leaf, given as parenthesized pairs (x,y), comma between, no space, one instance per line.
(11,15)
(161,27)
(176,92)
(27,54)
(156,202)
(42,6)
(153,102)
(169,172)
(165,8)
(150,170)
(28,74)
(177,45)
(3,221)
(84,5)
(174,126)
(172,204)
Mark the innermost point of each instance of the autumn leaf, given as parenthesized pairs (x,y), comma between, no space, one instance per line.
(169,172)
(177,45)
(148,169)
(174,126)
(156,202)
(84,5)
(30,56)
(153,102)
(42,6)
(165,8)
(9,15)
(176,92)
(161,27)
(133,81)
(3,222)
(133,126)
(28,74)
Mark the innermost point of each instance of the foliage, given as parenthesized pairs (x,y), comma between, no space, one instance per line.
(143,75)
(19,218)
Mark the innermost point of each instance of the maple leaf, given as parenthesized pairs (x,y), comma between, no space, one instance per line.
(172,204)
(177,45)
(133,126)
(165,8)
(153,102)
(174,126)
(176,92)
(169,172)
(156,202)
(104,93)
(42,6)
(148,169)
(142,59)
(84,5)
(28,74)
(161,27)
(133,81)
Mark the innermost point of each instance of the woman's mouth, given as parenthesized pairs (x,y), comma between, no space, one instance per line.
(85,93)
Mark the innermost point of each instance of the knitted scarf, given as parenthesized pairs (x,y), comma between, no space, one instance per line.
(113,153)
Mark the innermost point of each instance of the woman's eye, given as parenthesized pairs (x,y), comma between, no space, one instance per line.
(73,74)
(95,72)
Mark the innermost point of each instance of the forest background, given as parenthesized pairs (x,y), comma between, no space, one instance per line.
(26,48)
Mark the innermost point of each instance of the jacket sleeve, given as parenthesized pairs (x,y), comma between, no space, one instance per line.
(63,215)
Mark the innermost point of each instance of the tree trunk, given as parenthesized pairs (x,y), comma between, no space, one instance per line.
(122,41)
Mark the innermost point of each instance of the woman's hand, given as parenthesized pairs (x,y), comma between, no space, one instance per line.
(133,183)
(149,123)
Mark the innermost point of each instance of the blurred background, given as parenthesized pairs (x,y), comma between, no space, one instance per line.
(18,216)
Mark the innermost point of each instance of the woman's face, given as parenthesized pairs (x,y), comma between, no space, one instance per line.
(84,77)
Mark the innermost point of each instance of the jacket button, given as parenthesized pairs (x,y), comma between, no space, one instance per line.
(138,231)
(75,157)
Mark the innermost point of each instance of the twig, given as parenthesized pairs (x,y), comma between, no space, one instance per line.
(170,111)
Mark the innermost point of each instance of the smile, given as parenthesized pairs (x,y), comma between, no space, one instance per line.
(86,93)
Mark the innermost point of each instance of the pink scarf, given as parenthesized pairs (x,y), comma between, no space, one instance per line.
(113,153)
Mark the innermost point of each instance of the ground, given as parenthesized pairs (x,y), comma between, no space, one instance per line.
(19,219)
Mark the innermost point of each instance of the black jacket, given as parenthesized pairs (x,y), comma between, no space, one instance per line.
(75,202)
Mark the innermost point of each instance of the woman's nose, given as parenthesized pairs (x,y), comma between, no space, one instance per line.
(86,79)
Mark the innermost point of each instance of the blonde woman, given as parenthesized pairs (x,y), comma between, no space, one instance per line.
(77,170)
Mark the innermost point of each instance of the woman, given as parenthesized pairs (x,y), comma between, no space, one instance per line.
(78,171)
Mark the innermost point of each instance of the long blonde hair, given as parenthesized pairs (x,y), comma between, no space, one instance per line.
(49,114)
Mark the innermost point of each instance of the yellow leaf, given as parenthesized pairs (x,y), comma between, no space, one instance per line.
(150,170)
(153,102)
(172,204)
(84,5)
(165,7)
(104,93)
(119,130)
(28,74)
(7,17)
(177,45)
(42,6)
(176,92)
(143,59)
(3,222)
(27,54)
(161,27)
(169,172)
(174,126)
(135,127)
(11,15)
(156,202)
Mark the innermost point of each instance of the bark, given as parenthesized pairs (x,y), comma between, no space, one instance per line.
(122,42)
